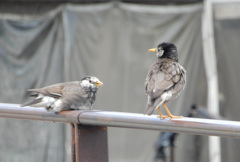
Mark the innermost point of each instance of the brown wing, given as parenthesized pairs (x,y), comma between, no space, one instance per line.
(73,94)
(54,90)
(179,80)
(162,76)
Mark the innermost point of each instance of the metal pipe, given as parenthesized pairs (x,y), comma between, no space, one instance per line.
(182,125)
(30,113)
(126,120)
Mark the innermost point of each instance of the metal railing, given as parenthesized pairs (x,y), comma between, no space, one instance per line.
(89,127)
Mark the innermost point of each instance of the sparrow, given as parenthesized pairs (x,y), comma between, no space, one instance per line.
(165,79)
(66,96)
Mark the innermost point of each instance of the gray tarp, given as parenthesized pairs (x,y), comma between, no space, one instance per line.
(66,42)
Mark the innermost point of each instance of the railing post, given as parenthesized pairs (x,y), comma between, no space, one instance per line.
(73,143)
(90,143)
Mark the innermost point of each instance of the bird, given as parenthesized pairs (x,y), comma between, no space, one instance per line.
(66,96)
(165,80)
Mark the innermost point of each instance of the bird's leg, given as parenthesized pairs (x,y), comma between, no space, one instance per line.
(169,113)
(160,114)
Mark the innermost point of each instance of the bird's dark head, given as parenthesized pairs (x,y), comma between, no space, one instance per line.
(166,50)
(91,81)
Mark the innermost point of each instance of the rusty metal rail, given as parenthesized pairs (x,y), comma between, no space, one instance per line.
(91,125)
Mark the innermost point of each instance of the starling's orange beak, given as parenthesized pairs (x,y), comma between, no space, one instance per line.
(99,83)
(152,50)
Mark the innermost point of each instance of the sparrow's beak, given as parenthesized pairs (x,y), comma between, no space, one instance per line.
(153,50)
(99,83)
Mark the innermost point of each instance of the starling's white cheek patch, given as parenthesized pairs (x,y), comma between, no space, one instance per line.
(160,53)
(85,83)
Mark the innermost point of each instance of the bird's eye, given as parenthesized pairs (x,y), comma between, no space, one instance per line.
(90,81)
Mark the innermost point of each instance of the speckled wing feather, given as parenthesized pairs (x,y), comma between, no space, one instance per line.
(159,79)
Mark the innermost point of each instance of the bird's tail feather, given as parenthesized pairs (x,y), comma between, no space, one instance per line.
(149,110)
(35,101)
(34,95)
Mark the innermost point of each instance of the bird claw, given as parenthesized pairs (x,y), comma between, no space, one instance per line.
(162,116)
(169,116)
(175,117)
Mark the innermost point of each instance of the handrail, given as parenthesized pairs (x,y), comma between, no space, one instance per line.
(30,113)
(198,126)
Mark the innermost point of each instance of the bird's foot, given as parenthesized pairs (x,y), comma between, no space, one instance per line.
(173,116)
(162,116)
(169,113)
